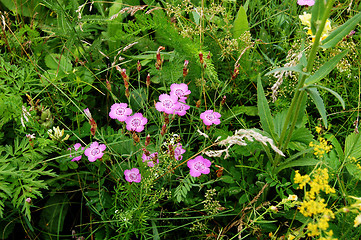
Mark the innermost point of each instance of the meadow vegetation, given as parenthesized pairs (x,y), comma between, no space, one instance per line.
(170,119)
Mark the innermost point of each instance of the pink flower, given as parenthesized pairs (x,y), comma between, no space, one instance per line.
(209,117)
(178,151)
(199,166)
(180,90)
(306,2)
(152,159)
(120,111)
(87,113)
(76,147)
(182,110)
(136,122)
(95,151)
(28,200)
(167,103)
(133,175)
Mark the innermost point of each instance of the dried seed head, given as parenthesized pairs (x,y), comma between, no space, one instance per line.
(127,93)
(198,104)
(136,138)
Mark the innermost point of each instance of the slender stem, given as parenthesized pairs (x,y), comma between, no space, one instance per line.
(296,101)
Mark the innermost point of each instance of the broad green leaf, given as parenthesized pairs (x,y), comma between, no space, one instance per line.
(341,32)
(264,111)
(297,68)
(59,63)
(315,95)
(325,69)
(227,179)
(339,98)
(240,24)
(353,170)
(302,135)
(298,163)
(353,146)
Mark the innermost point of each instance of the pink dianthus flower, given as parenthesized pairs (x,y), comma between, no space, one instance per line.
(133,175)
(95,151)
(76,147)
(167,103)
(136,122)
(180,90)
(306,2)
(178,151)
(198,166)
(182,110)
(120,111)
(151,160)
(210,117)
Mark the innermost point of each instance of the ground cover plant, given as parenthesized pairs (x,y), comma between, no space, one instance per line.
(172,119)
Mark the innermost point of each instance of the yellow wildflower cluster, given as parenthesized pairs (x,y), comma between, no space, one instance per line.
(313,205)
(321,147)
(306,21)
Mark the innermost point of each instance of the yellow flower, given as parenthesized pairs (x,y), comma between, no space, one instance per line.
(357,220)
(292,198)
(305,19)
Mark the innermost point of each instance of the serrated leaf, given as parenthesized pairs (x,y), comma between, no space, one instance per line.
(325,69)
(336,145)
(315,95)
(240,24)
(353,146)
(354,170)
(341,32)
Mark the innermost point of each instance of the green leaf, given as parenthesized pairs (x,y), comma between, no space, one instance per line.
(339,98)
(302,135)
(354,170)
(298,163)
(227,179)
(315,95)
(264,111)
(59,63)
(325,69)
(240,24)
(353,146)
(341,32)
(336,145)
(298,68)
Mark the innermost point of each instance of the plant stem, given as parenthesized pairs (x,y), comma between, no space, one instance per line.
(296,101)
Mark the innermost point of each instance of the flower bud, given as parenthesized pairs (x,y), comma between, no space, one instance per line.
(159,62)
(223,100)
(127,93)
(109,86)
(164,130)
(209,55)
(185,68)
(201,60)
(148,80)
(166,118)
(139,66)
(147,140)
(235,71)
